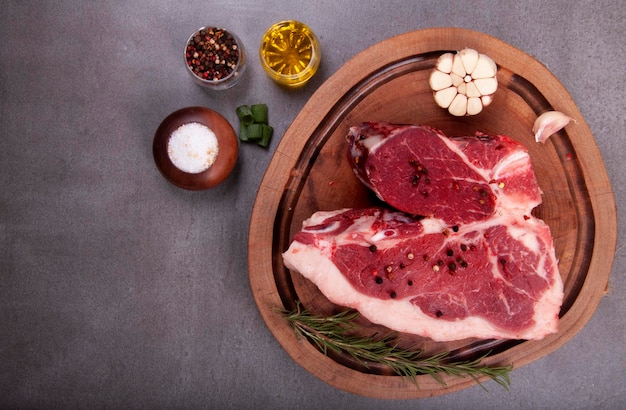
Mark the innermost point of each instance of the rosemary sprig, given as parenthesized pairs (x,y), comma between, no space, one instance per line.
(333,333)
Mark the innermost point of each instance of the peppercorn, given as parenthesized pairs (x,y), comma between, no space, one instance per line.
(212,54)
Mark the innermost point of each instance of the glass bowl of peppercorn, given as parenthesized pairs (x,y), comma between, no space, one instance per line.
(215,57)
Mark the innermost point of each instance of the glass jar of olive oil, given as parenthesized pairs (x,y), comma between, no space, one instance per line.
(290,53)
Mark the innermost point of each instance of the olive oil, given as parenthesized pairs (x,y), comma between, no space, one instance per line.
(290,52)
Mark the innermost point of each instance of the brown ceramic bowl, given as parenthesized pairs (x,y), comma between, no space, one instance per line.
(226,158)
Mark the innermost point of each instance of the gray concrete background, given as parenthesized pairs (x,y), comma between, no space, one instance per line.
(119,290)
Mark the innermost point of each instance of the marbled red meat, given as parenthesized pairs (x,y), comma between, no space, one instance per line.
(419,170)
(496,278)
(460,256)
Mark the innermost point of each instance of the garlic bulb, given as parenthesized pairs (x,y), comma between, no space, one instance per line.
(464,82)
(549,123)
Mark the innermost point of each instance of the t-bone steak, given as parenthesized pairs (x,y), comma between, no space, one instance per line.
(461,255)
(419,170)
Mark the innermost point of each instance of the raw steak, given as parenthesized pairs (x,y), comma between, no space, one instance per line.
(476,263)
(492,278)
(419,170)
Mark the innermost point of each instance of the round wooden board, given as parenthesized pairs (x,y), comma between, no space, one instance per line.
(389,82)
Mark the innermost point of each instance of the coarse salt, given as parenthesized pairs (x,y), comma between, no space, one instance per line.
(193,147)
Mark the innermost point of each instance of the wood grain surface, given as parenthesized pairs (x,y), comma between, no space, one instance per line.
(389,82)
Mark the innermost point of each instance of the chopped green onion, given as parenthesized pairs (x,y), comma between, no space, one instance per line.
(259,113)
(253,124)
(255,131)
(245,114)
(243,131)
(266,137)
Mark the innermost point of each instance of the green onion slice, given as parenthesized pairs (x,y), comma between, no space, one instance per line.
(259,113)
(245,114)
(243,131)
(266,137)
(255,131)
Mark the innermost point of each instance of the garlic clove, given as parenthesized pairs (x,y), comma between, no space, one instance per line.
(457,67)
(456,79)
(439,80)
(472,91)
(549,123)
(444,63)
(486,86)
(462,89)
(469,58)
(474,106)
(444,97)
(486,100)
(485,68)
(458,106)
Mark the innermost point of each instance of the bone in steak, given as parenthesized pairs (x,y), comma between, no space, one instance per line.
(496,278)
(419,170)
(476,263)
